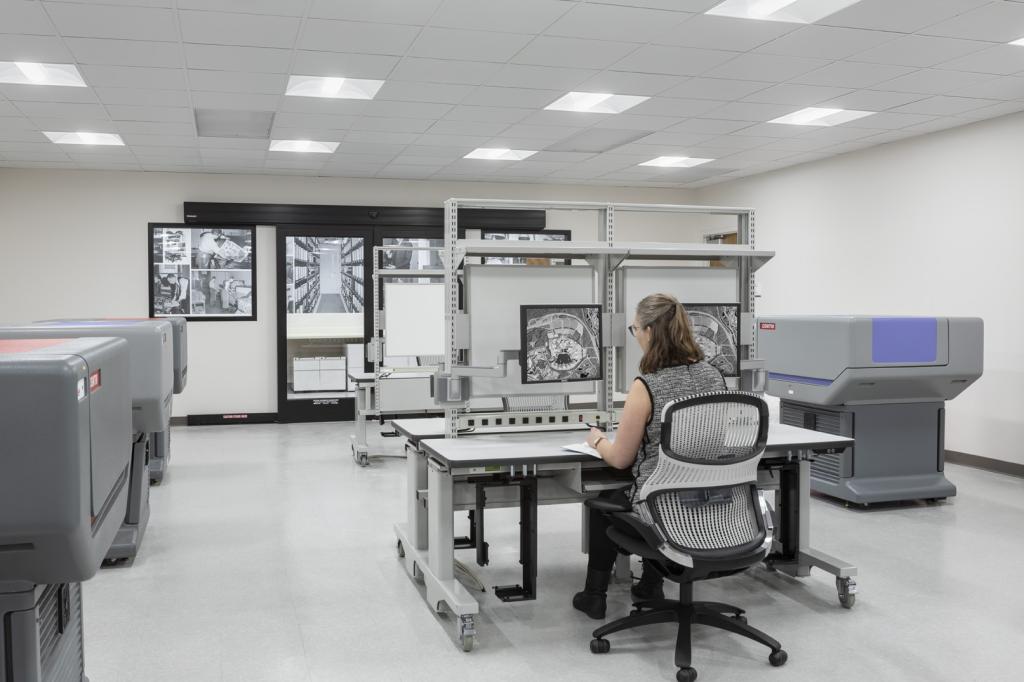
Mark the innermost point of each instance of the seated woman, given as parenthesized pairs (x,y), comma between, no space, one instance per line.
(672,367)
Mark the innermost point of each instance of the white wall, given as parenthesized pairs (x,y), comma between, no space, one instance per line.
(74,243)
(926,226)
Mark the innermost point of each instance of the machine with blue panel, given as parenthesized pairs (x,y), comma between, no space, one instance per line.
(160,445)
(65,420)
(881,380)
(150,352)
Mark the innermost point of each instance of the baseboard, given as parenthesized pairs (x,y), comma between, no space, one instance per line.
(998,466)
(235,418)
(179,421)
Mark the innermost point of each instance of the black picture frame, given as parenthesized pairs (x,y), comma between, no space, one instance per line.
(485,231)
(524,347)
(714,360)
(155,266)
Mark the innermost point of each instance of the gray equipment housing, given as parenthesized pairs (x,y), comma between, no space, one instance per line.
(880,380)
(63,494)
(151,361)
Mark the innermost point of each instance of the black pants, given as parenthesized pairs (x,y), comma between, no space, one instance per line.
(603,551)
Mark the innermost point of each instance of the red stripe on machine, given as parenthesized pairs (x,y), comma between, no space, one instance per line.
(767,326)
(95,381)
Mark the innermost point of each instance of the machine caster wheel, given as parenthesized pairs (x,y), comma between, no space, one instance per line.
(600,646)
(417,574)
(401,550)
(777,658)
(847,589)
(686,675)
(467,633)
(467,643)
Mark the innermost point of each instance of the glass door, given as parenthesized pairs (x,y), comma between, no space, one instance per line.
(323,304)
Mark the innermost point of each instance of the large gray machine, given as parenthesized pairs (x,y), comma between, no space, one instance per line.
(160,443)
(882,380)
(65,420)
(151,370)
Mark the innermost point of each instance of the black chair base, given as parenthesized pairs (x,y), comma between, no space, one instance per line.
(687,613)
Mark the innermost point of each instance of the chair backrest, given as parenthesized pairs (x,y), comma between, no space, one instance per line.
(702,496)
(535,403)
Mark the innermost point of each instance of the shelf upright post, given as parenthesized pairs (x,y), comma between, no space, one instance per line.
(451,290)
(606,276)
(746,285)
(376,345)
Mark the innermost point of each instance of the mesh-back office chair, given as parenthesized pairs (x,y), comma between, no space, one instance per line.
(698,516)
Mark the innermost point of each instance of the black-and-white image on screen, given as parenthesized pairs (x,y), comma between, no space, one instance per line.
(716,329)
(560,343)
(202,272)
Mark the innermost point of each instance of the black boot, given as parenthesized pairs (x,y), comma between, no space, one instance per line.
(593,600)
(650,586)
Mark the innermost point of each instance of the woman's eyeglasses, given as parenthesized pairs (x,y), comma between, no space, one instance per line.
(632,330)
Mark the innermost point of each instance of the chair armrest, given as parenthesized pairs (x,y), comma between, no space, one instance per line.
(603,504)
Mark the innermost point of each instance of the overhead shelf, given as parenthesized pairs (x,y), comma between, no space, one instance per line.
(693,251)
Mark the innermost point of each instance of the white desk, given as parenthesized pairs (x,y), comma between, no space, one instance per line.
(444,476)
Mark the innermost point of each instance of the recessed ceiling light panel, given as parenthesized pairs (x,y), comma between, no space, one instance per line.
(307,146)
(818,116)
(1019,41)
(108,139)
(793,11)
(332,87)
(34,73)
(676,162)
(595,102)
(498,154)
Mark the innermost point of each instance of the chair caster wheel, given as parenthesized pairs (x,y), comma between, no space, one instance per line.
(777,658)
(600,646)
(686,675)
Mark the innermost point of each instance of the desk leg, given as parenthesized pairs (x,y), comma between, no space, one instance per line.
(360,448)
(416,482)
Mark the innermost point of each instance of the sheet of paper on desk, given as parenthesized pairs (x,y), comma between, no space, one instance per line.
(583,449)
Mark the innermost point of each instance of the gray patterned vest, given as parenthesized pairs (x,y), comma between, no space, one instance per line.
(664,386)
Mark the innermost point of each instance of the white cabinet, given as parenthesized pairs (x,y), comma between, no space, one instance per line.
(320,374)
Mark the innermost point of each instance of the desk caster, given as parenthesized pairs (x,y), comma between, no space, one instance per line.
(847,589)
(467,632)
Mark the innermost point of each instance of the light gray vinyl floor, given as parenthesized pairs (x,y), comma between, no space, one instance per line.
(270,557)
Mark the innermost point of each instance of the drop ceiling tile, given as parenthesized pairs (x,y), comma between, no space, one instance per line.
(443,71)
(487,114)
(1003,60)
(826,42)
(573,53)
(677,61)
(30,48)
(323,134)
(919,51)
(415,12)
(234,100)
(465,143)
(708,126)
(715,88)
(326,35)
(62,110)
(419,160)
(414,151)
(945,106)
(148,128)
(997,22)
(126,52)
(486,96)
(47,93)
(122,112)
(366,152)
(219,28)
(141,96)
(774,130)
(538,132)
(755,156)
(738,142)
(994,111)
(838,134)
(933,81)
(370,137)
(675,107)
(26,17)
(853,75)
(521,16)
(299,120)
(398,171)
(158,140)
(638,122)
(534,144)
(630,83)
(667,143)
(421,110)
(236,58)
(905,16)
(724,33)
(106,21)
(765,67)
(395,125)
(611,22)
(234,81)
(134,77)
(889,121)
(447,43)
(153,152)
(344,65)
(284,8)
(7,136)
(571,119)
(542,77)
(872,100)
(402,91)
(561,157)
(1006,87)
(796,94)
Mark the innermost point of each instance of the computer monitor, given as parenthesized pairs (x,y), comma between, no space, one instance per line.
(716,328)
(560,343)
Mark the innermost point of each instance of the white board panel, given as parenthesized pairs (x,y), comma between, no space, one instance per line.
(413,319)
(688,284)
(493,296)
